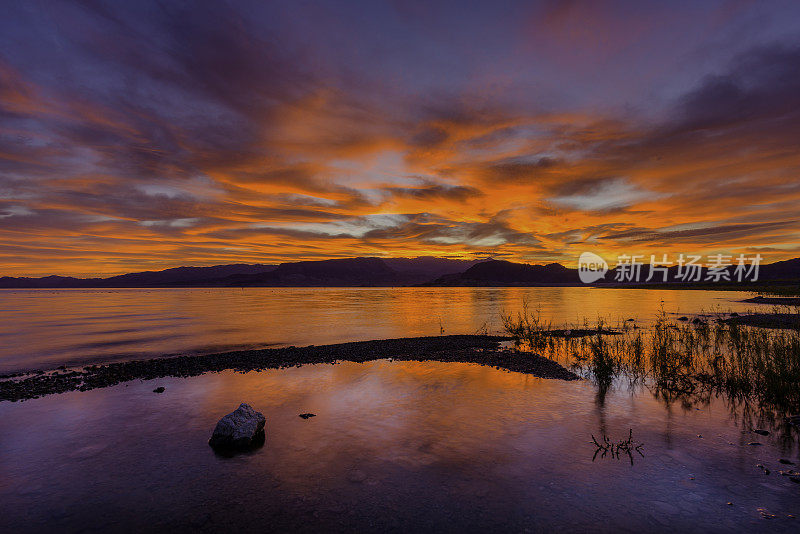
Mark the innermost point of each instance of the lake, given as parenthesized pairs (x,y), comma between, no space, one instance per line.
(45,328)
(395,446)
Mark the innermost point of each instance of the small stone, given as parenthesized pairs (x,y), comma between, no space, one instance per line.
(307,415)
(240,429)
(729,503)
(683,318)
(159,389)
(754,443)
(761,432)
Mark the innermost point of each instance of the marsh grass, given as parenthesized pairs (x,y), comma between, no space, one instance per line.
(690,361)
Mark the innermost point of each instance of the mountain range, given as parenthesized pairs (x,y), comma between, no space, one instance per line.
(384,272)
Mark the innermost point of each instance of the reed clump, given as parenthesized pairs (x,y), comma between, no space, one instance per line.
(707,356)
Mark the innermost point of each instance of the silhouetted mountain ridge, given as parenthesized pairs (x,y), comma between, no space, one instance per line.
(339,272)
(506,273)
(174,277)
(387,272)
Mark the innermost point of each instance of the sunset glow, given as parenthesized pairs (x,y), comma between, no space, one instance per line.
(152,136)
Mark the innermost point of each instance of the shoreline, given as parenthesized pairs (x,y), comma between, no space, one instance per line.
(778,321)
(479,349)
(775,301)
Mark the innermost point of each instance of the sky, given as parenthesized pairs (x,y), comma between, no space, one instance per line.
(146,135)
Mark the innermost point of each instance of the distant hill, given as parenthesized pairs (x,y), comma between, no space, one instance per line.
(52,281)
(175,277)
(367,272)
(185,275)
(505,273)
(413,271)
(342,272)
(787,270)
(387,272)
(498,273)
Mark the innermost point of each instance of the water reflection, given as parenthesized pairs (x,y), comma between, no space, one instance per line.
(47,328)
(616,449)
(755,371)
(395,446)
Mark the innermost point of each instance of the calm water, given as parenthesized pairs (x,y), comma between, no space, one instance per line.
(395,447)
(48,328)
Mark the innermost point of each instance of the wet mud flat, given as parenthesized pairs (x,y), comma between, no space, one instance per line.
(479,349)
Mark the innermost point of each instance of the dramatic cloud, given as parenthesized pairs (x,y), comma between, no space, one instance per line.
(139,135)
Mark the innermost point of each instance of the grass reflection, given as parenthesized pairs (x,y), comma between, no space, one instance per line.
(678,361)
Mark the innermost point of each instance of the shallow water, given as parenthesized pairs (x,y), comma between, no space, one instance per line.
(48,328)
(395,446)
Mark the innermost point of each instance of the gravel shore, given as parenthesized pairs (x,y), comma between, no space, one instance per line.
(484,350)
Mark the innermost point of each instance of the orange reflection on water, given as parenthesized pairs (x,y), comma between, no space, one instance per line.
(395,442)
(47,328)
